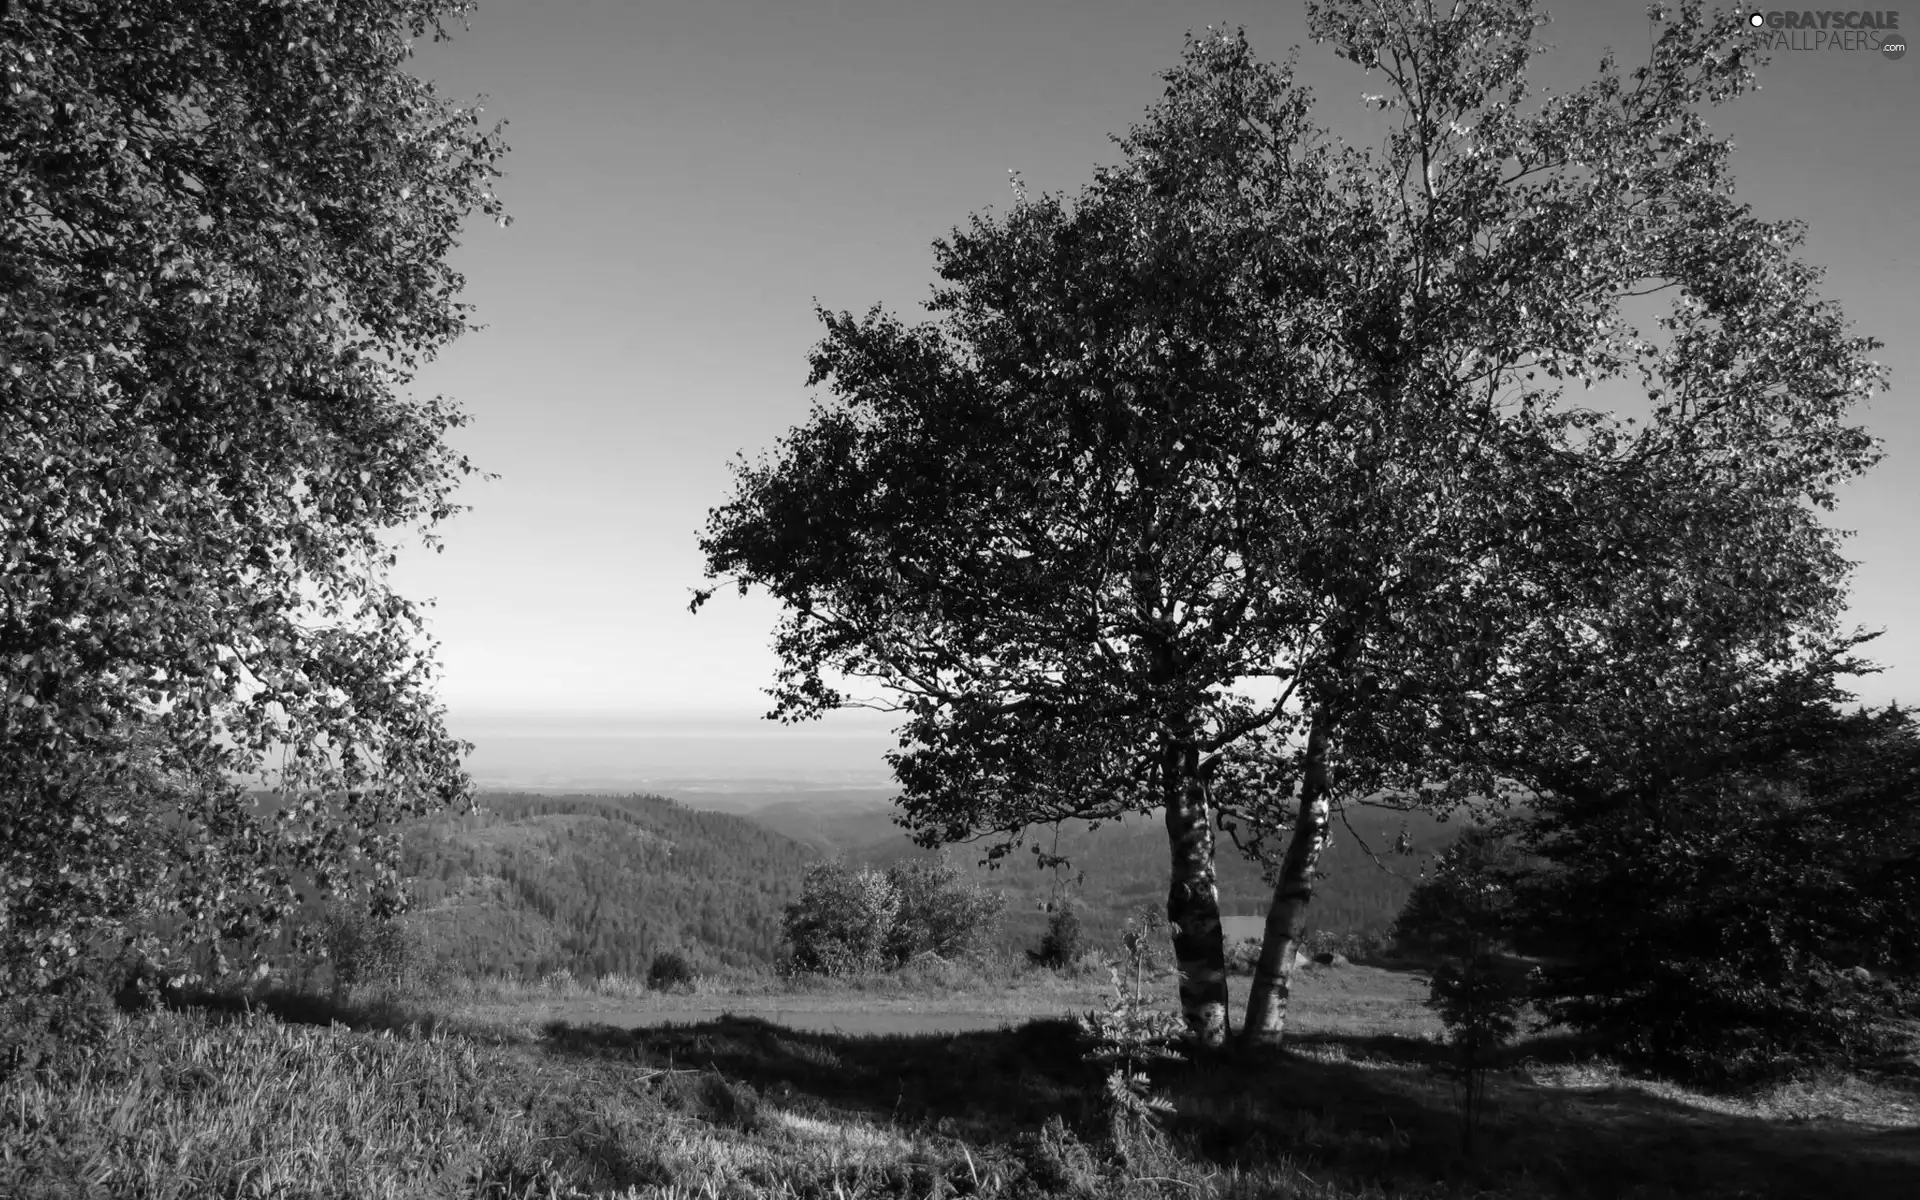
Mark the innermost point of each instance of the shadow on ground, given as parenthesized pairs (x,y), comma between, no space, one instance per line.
(1352,1111)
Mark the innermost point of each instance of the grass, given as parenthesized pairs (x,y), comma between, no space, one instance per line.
(409,1098)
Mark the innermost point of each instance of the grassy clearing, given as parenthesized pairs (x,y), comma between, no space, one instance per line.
(404,1100)
(992,988)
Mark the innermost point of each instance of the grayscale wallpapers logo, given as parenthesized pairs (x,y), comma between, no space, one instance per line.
(1831,29)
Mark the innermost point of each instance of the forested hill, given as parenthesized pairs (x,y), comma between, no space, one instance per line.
(1124,865)
(599,884)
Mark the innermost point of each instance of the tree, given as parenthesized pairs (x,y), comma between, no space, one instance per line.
(843,920)
(1062,945)
(941,912)
(1258,412)
(222,256)
(1462,918)
(857,920)
(1754,911)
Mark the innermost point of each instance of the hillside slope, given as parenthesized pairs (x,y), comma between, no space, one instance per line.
(1122,866)
(598,884)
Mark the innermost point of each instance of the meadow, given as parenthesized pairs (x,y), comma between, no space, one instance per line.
(575,1088)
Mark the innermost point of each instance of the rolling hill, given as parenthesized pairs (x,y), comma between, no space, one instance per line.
(600,884)
(1123,865)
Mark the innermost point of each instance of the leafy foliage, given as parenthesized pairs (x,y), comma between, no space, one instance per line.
(1463,917)
(1251,406)
(1465,905)
(1129,1035)
(1732,917)
(367,951)
(597,884)
(223,250)
(843,921)
(852,921)
(1754,916)
(670,970)
(1064,941)
(942,911)
(47,1032)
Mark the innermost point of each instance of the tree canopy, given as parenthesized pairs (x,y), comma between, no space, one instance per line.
(1719,917)
(1246,483)
(223,254)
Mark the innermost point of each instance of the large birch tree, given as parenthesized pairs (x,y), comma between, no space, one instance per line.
(1243,485)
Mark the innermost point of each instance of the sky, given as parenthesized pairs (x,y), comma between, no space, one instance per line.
(689,177)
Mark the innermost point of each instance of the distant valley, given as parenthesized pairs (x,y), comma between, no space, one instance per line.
(599,884)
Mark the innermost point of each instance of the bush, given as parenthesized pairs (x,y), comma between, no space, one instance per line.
(1463,917)
(1721,925)
(842,922)
(669,970)
(42,1032)
(941,912)
(1064,943)
(1129,1036)
(1467,905)
(1243,957)
(367,951)
(856,921)
(1717,942)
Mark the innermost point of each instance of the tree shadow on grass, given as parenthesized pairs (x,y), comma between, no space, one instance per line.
(368,1011)
(1369,1110)
(983,1085)
(1357,1112)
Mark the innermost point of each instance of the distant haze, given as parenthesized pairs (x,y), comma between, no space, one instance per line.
(688,177)
(545,751)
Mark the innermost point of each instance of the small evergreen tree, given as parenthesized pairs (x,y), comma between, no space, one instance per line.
(1760,916)
(1064,941)
(1463,917)
(669,970)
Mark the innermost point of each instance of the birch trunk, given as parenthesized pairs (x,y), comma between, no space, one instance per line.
(1193,898)
(1287,915)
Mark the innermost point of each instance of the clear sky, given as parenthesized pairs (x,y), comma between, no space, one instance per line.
(688,176)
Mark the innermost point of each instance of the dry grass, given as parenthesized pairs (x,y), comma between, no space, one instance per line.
(191,1104)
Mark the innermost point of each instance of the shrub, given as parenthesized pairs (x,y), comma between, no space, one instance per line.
(1715,941)
(1064,942)
(941,911)
(368,951)
(842,921)
(851,921)
(1711,923)
(1467,902)
(1709,926)
(1464,917)
(44,1031)
(670,969)
(1243,957)
(1128,1036)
